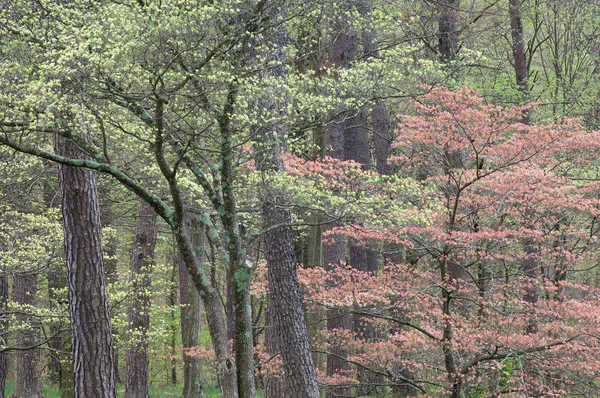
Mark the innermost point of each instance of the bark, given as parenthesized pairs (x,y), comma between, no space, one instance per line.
(56,280)
(381,137)
(215,315)
(343,51)
(3,331)
(136,385)
(88,303)
(286,330)
(191,318)
(172,300)
(110,265)
(448,22)
(285,314)
(28,360)
(315,316)
(334,252)
(518,45)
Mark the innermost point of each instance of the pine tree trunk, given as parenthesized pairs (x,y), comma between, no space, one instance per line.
(193,386)
(88,303)
(28,360)
(136,385)
(285,313)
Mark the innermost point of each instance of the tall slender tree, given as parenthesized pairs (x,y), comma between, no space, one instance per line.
(136,385)
(28,359)
(191,319)
(88,302)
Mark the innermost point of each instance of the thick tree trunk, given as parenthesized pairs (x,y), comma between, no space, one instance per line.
(448,29)
(343,50)
(189,299)
(518,45)
(136,385)
(88,303)
(519,52)
(382,137)
(3,331)
(28,369)
(286,316)
(287,335)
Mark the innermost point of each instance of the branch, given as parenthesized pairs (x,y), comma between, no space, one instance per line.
(398,321)
(160,206)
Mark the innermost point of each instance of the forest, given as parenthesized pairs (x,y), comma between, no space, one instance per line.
(299,198)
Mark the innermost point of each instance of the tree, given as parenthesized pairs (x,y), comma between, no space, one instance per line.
(88,302)
(504,188)
(28,360)
(4,299)
(165,104)
(191,319)
(139,318)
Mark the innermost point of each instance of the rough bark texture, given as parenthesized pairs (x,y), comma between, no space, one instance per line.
(285,314)
(3,331)
(518,44)
(191,318)
(448,22)
(28,360)
(381,137)
(287,335)
(88,304)
(136,385)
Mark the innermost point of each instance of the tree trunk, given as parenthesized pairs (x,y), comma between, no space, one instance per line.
(3,331)
(28,369)
(518,45)
(189,299)
(531,263)
(285,314)
(172,301)
(343,50)
(334,253)
(382,137)
(110,264)
(88,303)
(136,385)
(287,335)
(215,316)
(448,29)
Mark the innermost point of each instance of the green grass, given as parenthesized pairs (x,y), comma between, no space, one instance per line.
(51,391)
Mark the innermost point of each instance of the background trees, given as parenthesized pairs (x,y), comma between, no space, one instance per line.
(219,117)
